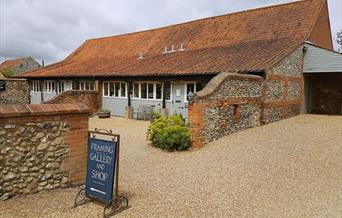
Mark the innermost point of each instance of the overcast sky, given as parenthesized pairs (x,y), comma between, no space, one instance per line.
(50,30)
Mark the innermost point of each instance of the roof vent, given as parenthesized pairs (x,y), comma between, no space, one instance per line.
(141,56)
(181,47)
(166,49)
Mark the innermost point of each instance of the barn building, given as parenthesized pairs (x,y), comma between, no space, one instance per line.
(259,57)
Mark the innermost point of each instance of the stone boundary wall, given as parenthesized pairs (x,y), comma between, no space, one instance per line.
(90,98)
(17,92)
(42,147)
(283,88)
(230,102)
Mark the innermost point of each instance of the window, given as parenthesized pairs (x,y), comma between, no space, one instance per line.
(115,89)
(105,89)
(136,90)
(143,90)
(86,85)
(49,86)
(123,90)
(148,90)
(35,86)
(159,91)
(60,87)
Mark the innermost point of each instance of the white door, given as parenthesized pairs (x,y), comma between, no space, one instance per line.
(178,100)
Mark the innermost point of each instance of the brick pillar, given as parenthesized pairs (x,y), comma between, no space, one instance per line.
(195,115)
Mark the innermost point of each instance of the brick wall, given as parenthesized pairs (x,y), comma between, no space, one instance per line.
(43,147)
(17,92)
(92,99)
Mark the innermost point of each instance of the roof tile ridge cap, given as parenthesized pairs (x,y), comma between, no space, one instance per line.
(201,19)
(214,84)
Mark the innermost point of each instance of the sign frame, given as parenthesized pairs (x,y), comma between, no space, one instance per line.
(117,203)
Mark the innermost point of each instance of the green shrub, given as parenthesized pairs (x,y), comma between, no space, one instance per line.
(154,115)
(169,133)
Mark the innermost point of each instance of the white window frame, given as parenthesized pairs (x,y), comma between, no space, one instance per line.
(49,86)
(108,89)
(154,91)
(35,86)
(84,84)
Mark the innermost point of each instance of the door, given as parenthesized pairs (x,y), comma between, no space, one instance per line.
(178,98)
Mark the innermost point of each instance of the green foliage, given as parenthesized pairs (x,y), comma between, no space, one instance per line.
(8,72)
(169,133)
(154,115)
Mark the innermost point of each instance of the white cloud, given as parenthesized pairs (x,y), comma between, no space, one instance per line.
(50,30)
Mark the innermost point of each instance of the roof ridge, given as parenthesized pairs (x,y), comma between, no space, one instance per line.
(201,19)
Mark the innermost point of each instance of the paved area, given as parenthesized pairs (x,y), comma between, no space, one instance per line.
(290,168)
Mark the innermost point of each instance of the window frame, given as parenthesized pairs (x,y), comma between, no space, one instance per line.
(114,83)
(148,83)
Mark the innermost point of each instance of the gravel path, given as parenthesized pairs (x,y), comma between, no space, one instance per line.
(290,168)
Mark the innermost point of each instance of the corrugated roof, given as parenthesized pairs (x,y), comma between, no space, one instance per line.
(250,40)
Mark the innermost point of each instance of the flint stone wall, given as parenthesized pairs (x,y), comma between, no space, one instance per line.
(284,88)
(17,92)
(229,103)
(42,147)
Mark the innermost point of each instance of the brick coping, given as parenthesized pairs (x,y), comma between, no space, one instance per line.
(41,109)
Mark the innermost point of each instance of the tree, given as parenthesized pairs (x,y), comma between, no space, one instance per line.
(339,40)
(8,72)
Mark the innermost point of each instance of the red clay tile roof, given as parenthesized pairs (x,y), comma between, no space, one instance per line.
(12,63)
(243,41)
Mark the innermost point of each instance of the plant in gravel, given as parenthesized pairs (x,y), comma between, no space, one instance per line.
(169,133)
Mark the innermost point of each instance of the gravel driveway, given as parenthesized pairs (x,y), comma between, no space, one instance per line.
(290,168)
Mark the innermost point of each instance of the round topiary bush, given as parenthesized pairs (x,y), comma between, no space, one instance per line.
(169,133)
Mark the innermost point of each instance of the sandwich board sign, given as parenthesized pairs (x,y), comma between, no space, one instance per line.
(103,174)
(100,170)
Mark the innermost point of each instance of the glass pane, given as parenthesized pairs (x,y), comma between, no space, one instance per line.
(159,91)
(87,87)
(150,90)
(117,89)
(111,89)
(92,86)
(136,90)
(82,86)
(105,89)
(123,89)
(144,90)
